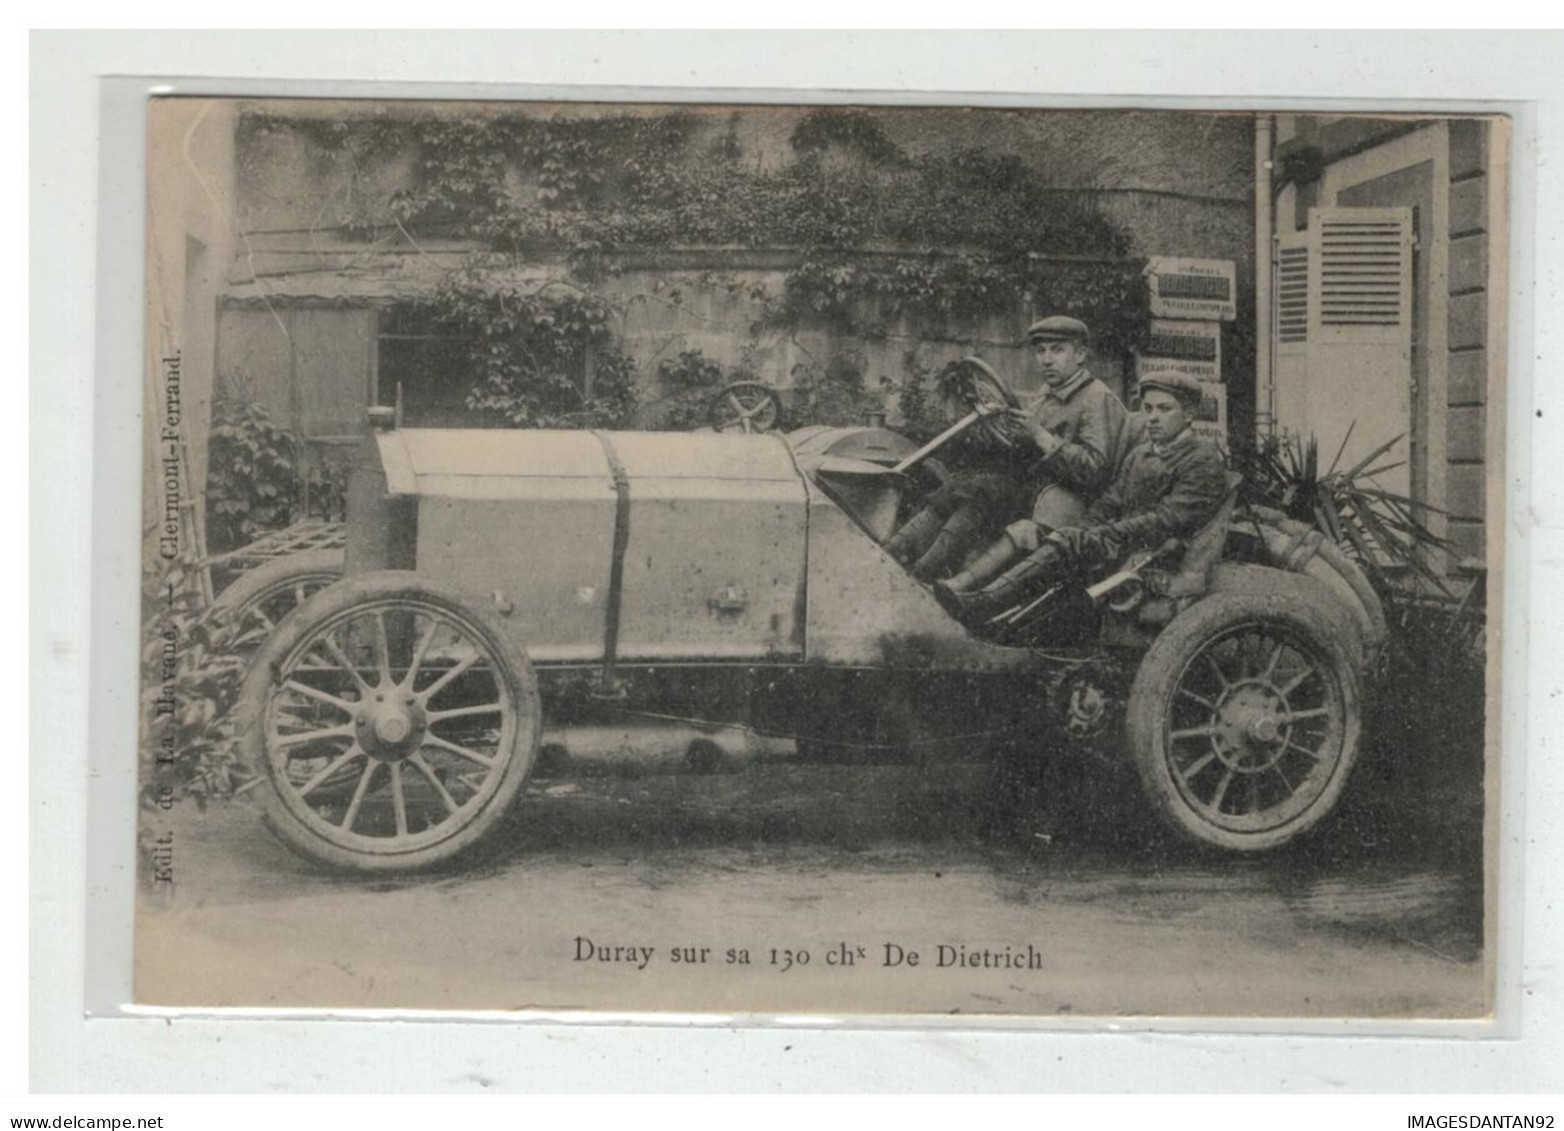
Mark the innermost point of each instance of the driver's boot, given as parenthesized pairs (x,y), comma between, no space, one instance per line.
(984,568)
(953,543)
(1024,580)
(908,544)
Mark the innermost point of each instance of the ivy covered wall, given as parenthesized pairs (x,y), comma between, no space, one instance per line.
(584,250)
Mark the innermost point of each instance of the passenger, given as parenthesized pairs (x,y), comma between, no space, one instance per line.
(1070,435)
(1171,485)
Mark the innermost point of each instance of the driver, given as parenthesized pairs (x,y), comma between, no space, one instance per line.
(1172,483)
(1068,437)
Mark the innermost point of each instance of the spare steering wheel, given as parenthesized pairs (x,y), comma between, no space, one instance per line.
(747,406)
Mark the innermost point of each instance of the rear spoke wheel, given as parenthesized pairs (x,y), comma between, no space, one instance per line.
(262,598)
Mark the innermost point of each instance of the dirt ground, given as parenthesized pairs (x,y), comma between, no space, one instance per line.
(628,880)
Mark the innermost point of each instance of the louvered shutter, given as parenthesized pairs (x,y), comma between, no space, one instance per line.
(1290,330)
(1343,333)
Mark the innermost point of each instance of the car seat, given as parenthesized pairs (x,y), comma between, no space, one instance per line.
(1191,580)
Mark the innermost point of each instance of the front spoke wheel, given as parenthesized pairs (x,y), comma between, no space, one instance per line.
(1243,719)
(396,724)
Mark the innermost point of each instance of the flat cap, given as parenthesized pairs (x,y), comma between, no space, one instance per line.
(1182,385)
(1058,328)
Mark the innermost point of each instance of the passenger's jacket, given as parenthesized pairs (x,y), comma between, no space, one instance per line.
(1161,492)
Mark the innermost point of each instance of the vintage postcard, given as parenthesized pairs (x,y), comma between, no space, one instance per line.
(856,560)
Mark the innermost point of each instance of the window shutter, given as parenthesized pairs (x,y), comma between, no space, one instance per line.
(1292,290)
(1343,335)
(1290,329)
(1365,257)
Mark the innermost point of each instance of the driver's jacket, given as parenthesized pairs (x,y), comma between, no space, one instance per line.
(1094,429)
(1163,491)
(1093,425)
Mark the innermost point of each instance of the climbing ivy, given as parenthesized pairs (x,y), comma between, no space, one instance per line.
(544,355)
(252,482)
(879,235)
(854,131)
(834,392)
(690,380)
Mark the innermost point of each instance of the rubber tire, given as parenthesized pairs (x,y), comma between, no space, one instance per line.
(1271,582)
(1157,680)
(1377,629)
(339,599)
(259,583)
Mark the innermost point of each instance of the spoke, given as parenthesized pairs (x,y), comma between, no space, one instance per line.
(462,712)
(1196,766)
(1254,793)
(1315,754)
(1311,713)
(1297,681)
(358,796)
(260,614)
(326,697)
(1216,669)
(398,799)
(315,782)
(461,751)
(345,730)
(291,715)
(417,759)
(418,654)
(1291,789)
(382,648)
(1221,790)
(337,654)
(738,405)
(1270,666)
(434,688)
(1207,731)
(1206,703)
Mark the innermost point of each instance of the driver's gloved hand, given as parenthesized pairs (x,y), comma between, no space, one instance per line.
(1007,428)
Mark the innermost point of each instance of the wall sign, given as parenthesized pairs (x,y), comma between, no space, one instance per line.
(1192,288)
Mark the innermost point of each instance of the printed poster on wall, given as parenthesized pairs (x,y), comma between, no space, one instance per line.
(1192,288)
(1198,344)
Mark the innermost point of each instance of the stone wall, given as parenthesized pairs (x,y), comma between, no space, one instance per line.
(1467,342)
(1172,183)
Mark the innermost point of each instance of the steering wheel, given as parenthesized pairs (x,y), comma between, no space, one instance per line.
(979,387)
(985,393)
(983,387)
(748,406)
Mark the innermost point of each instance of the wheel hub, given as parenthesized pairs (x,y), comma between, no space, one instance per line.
(1265,730)
(392,727)
(1250,734)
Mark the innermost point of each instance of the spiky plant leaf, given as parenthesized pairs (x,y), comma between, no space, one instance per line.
(1385,531)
